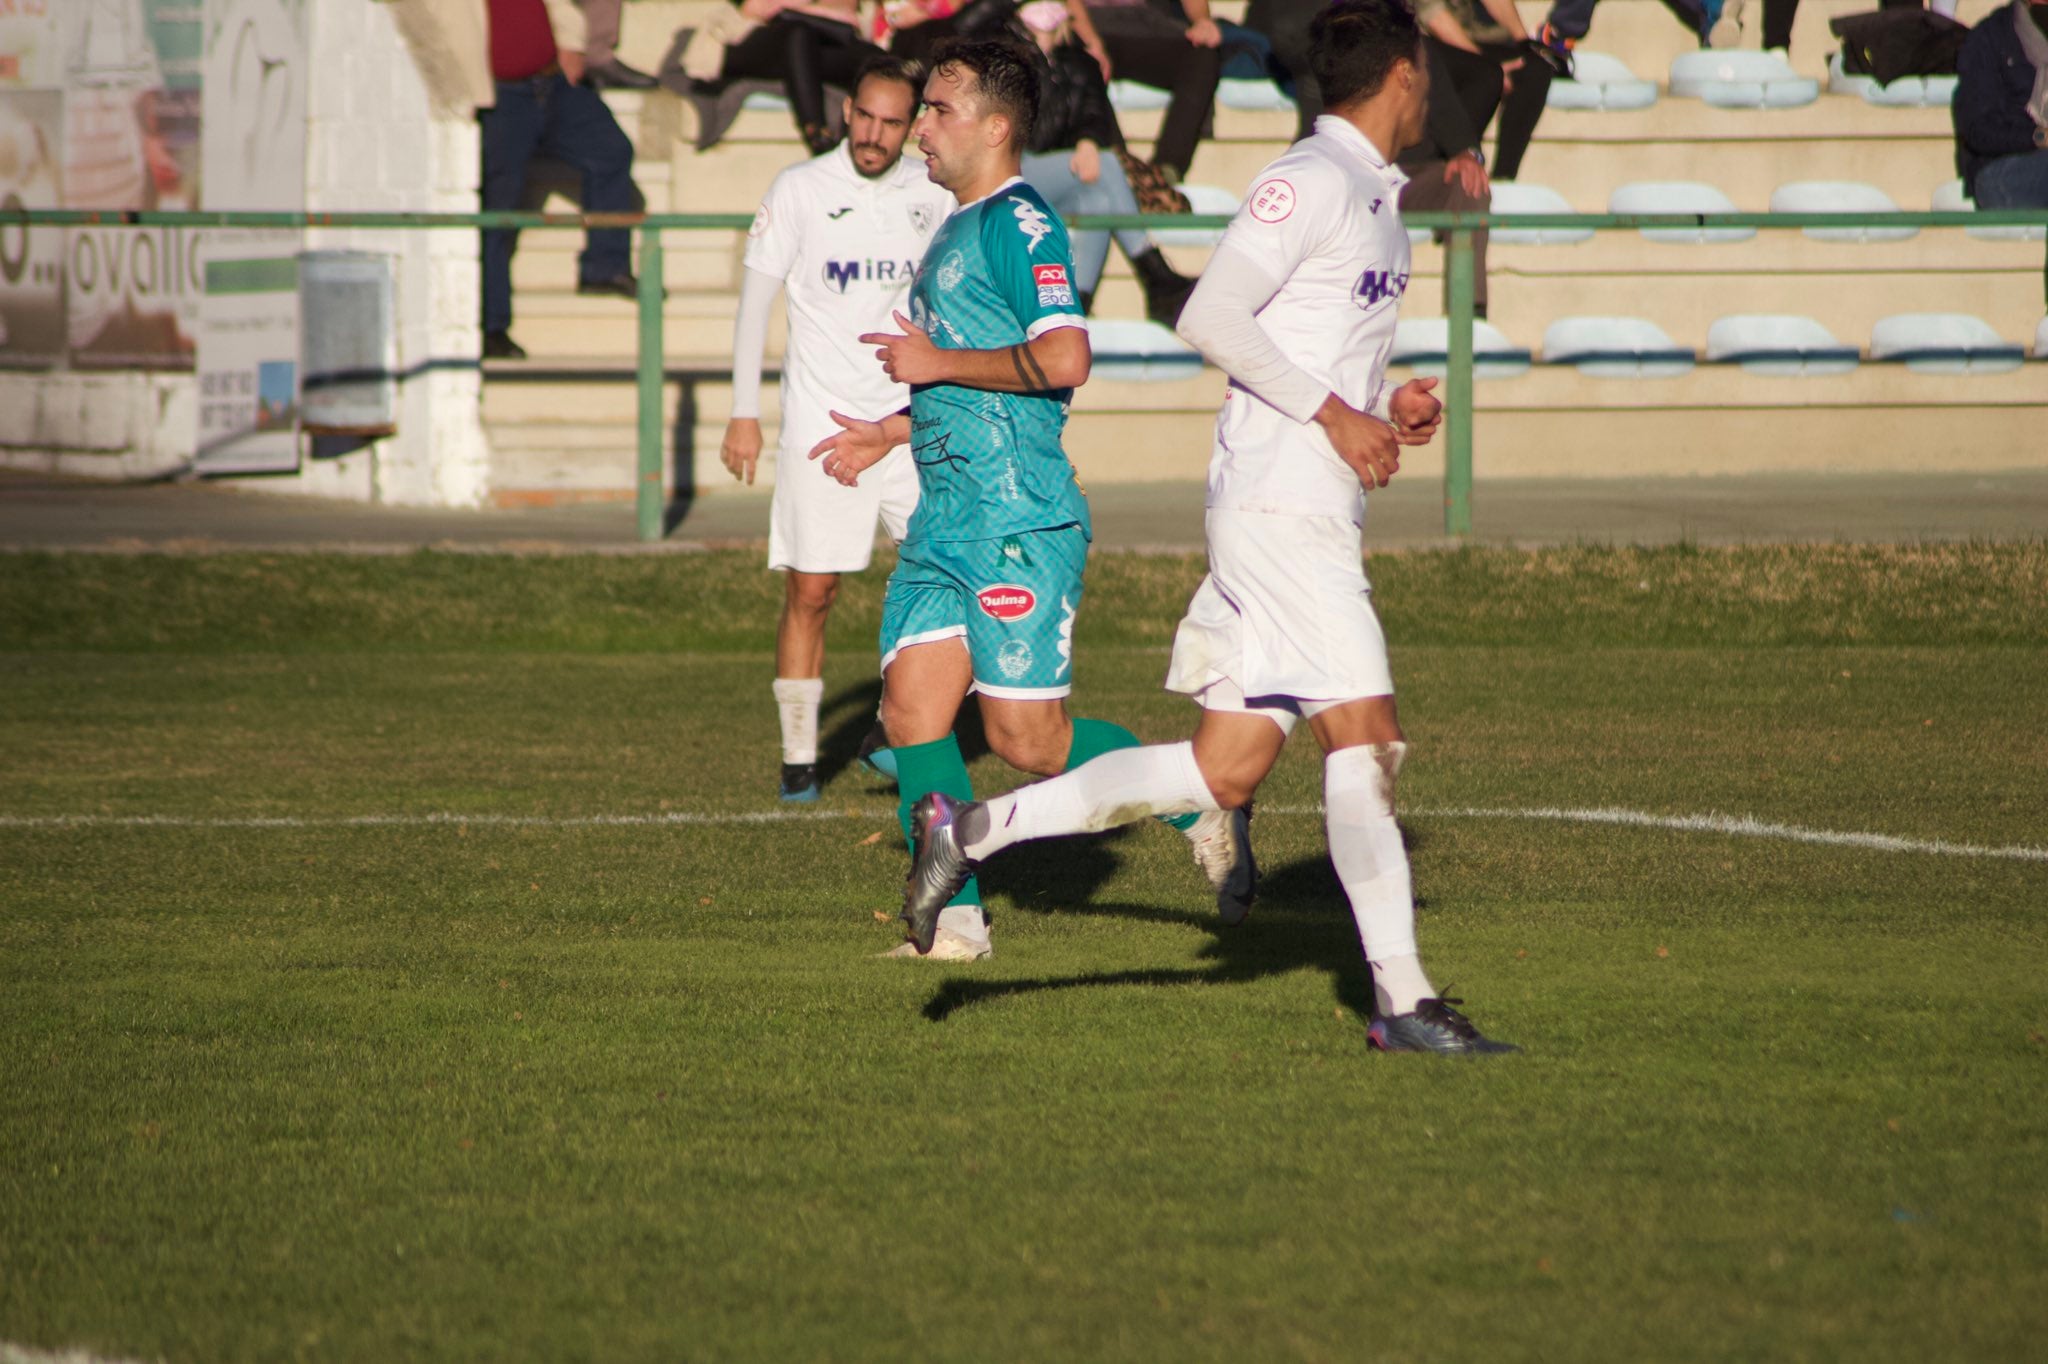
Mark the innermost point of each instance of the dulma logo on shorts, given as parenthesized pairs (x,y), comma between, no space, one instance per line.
(1007,601)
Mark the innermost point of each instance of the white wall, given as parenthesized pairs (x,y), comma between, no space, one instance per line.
(375,142)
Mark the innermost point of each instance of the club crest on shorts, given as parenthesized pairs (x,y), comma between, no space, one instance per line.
(1014,659)
(1007,601)
(1053,288)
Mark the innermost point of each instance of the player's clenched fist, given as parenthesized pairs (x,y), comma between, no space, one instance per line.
(909,358)
(1365,443)
(1416,411)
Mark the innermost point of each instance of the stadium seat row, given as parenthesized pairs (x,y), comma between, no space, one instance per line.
(1633,348)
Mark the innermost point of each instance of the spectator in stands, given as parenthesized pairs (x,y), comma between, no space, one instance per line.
(807,45)
(1714,24)
(1483,45)
(602,69)
(1446,170)
(1779,14)
(1173,46)
(917,27)
(1073,162)
(1284,23)
(2000,109)
(540,106)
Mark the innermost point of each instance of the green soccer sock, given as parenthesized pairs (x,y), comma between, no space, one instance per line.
(1093,738)
(924,768)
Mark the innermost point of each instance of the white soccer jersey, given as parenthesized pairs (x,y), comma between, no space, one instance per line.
(1325,221)
(846,248)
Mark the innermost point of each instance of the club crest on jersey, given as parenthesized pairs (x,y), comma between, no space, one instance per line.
(1007,601)
(952,270)
(920,218)
(1053,287)
(1375,287)
(1272,201)
(1031,222)
(841,273)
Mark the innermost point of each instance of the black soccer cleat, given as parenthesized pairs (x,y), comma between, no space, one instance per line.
(938,865)
(875,753)
(1434,1026)
(800,782)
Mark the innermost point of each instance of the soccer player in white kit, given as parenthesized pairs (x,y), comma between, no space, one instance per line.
(842,234)
(1297,306)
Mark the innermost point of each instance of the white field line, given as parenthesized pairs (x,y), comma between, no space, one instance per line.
(1739,826)
(11,1353)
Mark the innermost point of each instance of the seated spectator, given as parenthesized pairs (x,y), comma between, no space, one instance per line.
(1284,25)
(915,28)
(1073,162)
(1446,170)
(807,45)
(1708,20)
(1470,38)
(602,69)
(1176,49)
(540,107)
(1779,14)
(2000,109)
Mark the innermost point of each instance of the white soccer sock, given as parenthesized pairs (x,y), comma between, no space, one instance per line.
(797,698)
(1120,787)
(1365,845)
(966,920)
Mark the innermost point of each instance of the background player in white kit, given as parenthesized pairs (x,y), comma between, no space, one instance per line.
(843,233)
(1297,307)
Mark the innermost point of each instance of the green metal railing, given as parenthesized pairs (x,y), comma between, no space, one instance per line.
(1458,267)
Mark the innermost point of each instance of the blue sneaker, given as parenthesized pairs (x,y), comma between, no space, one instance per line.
(1434,1026)
(800,782)
(876,755)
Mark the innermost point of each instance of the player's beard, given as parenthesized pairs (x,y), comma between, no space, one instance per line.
(887,165)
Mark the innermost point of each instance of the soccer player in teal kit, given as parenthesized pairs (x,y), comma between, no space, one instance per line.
(989,576)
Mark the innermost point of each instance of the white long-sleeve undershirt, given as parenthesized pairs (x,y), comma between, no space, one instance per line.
(750,338)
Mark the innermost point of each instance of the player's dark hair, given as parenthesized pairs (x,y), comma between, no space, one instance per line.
(1005,79)
(1353,45)
(887,66)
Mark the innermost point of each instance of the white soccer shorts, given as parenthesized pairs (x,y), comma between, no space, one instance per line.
(816,524)
(1284,622)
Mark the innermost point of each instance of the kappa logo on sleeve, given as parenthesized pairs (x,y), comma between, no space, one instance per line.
(1007,601)
(1031,222)
(1054,290)
(1272,201)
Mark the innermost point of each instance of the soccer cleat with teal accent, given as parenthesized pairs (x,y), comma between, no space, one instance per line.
(1434,1026)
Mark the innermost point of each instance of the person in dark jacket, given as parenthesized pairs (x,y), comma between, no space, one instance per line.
(2000,110)
(1072,161)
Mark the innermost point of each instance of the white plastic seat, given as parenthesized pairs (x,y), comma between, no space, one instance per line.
(1256,95)
(766,102)
(1423,344)
(1949,198)
(1615,348)
(1943,343)
(1843,82)
(1600,82)
(1136,351)
(1840,196)
(1913,92)
(1201,199)
(2041,340)
(1732,78)
(1779,345)
(1678,196)
(1128,97)
(1510,196)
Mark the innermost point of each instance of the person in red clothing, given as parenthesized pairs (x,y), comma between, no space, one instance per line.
(542,107)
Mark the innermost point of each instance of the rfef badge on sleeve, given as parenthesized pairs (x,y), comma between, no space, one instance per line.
(1053,288)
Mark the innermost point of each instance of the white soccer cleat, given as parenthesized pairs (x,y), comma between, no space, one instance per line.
(946,946)
(1221,841)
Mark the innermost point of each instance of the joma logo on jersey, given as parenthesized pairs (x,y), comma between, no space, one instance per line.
(1007,601)
(841,273)
(1033,223)
(1375,287)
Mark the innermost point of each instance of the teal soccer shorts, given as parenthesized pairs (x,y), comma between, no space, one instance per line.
(1013,599)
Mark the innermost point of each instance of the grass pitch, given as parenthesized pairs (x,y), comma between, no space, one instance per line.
(304,1075)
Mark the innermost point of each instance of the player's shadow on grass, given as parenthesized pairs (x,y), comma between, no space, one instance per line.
(850,715)
(1302,921)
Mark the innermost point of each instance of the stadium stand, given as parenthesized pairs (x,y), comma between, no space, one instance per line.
(1741,80)
(1943,343)
(1600,81)
(1778,346)
(562,424)
(1840,196)
(1615,348)
(1678,196)
(1423,344)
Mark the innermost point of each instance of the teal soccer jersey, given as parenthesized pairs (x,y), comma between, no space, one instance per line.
(999,272)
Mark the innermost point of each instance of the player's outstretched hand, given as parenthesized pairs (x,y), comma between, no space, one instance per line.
(855,447)
(909,358)
(741,448)
(1364,442)
(1417,412)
